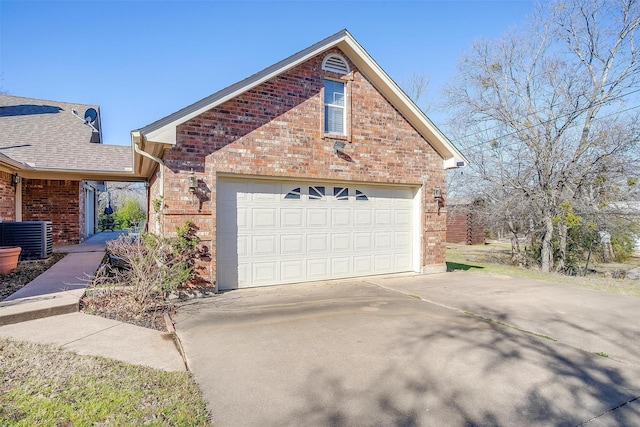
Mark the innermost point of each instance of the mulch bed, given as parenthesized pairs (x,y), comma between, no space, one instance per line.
(25,273)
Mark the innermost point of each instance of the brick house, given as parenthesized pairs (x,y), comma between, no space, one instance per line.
(317,167)
(52,165)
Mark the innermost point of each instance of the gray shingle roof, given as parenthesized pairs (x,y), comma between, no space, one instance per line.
(46,135)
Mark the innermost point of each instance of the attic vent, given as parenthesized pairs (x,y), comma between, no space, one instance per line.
(335,63)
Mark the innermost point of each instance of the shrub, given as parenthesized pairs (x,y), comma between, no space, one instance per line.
(142,273)
(130,214)
(623,245)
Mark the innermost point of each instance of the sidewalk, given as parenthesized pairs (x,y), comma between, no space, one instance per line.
(46,311)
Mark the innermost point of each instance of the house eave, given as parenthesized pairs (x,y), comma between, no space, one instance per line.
(81,175)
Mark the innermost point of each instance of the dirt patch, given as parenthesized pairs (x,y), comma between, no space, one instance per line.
(117,303)
(25,273)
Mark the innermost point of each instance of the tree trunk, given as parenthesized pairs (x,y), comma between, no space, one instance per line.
(515,245)
(562,250)
(547,252)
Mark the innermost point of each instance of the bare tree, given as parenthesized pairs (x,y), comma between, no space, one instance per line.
(415,86)
(548,113)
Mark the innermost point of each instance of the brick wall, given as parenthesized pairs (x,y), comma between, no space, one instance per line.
(7,198)
(56,201)
(465,225)
(276,129)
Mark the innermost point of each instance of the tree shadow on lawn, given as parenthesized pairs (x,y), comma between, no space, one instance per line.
(469,372)
(453,266)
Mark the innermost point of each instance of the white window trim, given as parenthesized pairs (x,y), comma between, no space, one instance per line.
(344,108)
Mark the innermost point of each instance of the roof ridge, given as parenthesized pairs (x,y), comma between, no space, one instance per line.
(4,95)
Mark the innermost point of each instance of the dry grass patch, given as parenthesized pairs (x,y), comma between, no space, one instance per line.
(45,386)
(494,258)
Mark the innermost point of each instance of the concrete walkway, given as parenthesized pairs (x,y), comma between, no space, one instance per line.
(59,289)
(46,311)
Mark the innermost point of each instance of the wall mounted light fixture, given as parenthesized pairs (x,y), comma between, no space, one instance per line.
(15,179)
(338,146)
(437,193)
(437,196)
(192,182)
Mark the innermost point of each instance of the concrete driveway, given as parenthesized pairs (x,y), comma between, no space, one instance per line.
(415,350)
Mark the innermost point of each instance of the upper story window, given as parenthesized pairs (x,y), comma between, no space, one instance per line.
(334,107)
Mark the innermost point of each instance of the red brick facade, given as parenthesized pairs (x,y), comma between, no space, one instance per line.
(7,197)
(58,201)
(276,130)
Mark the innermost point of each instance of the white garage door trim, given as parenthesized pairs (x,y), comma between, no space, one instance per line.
(275,232)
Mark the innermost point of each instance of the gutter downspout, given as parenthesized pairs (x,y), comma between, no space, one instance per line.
(136,137)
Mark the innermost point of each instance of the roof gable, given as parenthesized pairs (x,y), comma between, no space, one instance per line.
(163,131)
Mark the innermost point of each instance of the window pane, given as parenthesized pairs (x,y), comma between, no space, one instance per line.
(293,194)
(341,193)
(333,92)
(334,107)
(316,193)
(334,118)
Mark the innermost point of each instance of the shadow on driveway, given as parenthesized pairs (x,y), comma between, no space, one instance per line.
(352,353)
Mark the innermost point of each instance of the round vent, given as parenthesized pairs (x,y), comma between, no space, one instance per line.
(335,63)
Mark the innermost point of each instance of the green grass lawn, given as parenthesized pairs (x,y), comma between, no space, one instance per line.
(44,386)
(494,259)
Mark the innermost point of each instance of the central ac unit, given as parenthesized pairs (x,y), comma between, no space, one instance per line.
(34,237)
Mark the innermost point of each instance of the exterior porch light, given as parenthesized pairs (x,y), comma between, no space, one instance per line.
(15,179)
(437,193)
(192,182)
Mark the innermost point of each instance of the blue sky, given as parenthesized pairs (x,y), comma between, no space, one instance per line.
(142,60)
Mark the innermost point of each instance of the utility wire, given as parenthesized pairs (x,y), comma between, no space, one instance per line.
(603,102)
(538,124)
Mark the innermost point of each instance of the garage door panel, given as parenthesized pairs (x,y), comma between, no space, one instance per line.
(363,218)
(363,264)
(292,244)
(383,217)
(317,268)
(402,240)
(317,218)
(240,221)
(340,242)
(264,218)
(275,232)
(340,217)
(242,246)
(265,245)
(264,272)
(292,270)
(362,241)
(382,263)
(291,217)
(402,217)
(383,240)
(402,261)
(317,243)
(340,266)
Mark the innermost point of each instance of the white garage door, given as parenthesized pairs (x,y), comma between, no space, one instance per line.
(271,232)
